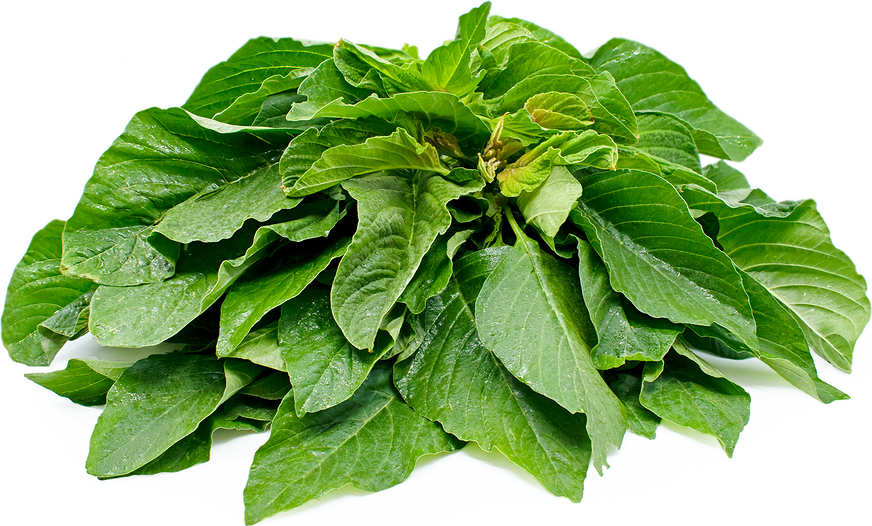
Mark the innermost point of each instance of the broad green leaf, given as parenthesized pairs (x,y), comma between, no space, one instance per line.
(434,109)
(652,82)
(162,159)
(782,344)
(559,111)
(261,67)
(691,393)
(365,69)
(501,35)
(260,346)
(587,148)
(447,68)
(786,247)
(658,256)
(633,158)
(195,448)
(400,216)
(399,151)
(44,308)
(519,126)
(85,382)
(324,368)
(455,380)
(274,386)
(371,441)
(323,86)
(149,314)
(541,34)
(531,314)
(548,206)
(308,147)
(611,112)
(623,333)
(627,386)
(249,300)
(666,137)
(216,212)
(529,59)
(725,177)
(434,272)
(155,403)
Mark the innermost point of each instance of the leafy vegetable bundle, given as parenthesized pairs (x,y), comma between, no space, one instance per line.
(381,257)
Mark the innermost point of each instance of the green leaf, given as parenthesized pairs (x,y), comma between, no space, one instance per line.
(274,386)
(400,216)
(725,176)
(658,256)
(249,300)
(539,33)
(155,403)
(531,314)
(611,112)
(149,314)
(44,308)
(323,86)
(559,111)
(308,147)
(623,333)
(371,441)
(692,393)
(527,60)
(261,67)
(652,82)
(435,110)
(627,386)
(457,381)
(548,206)
(782,344)
(396,152)
(586,148)
(447,68)
(85,382)
(365,69)
(260,346)
(665,137)
(324,368)
(433,274)
(216,212)
(786,247)
(162,159)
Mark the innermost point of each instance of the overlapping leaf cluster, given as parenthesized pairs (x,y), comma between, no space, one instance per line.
(382,257)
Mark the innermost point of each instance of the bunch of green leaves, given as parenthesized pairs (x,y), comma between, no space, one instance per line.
(380,257)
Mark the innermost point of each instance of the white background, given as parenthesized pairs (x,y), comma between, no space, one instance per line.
(797,74)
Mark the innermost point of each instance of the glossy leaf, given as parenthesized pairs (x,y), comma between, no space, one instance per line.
(623,333)
(652,82)
(447,68)
(155,403)
(786,247)
(260,346)
(44,308)
(164,158)
(691,393)
(658,256)
(280,64)
(400,216)
(325,369)
(85,382)
(455,380)
(531,314)
(371,441)
(548,206)
(249,300)
(399,151)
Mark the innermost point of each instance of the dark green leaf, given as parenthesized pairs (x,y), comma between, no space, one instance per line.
(44,308)
(85,382)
